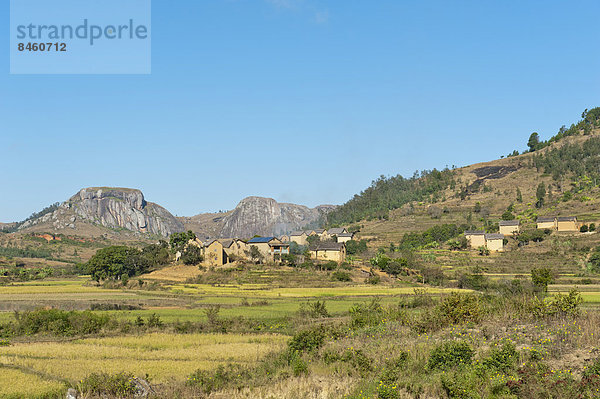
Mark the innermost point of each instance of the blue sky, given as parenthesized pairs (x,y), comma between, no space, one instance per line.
(304,101)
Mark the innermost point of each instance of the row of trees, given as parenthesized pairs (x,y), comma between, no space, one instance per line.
(387,193)
(121,262)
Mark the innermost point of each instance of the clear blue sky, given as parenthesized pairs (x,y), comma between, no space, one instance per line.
(305,101)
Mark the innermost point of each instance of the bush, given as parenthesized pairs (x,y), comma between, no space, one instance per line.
(192,255)
(502,358)
(307,340)
(449,355)
(339,275)
(315,309)
(592,227)
(460,308)
(113,385)
(584,228)
(362,315)
(541,277)
(222,377)
(330,265)
(59,322)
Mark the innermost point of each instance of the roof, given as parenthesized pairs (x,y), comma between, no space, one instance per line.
(319,231)
(226,242)
(566,219)
(508,223)
(494,236)
(297,233)
(545,219)
(346,235)
(209,243)
(258,240)
(279,244)
(337,230)
(474,232)
(328,245)
(308,232)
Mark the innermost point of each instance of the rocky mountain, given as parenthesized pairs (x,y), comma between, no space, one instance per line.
(257,216)
(114,208)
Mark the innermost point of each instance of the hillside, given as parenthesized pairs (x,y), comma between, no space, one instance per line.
(479,194)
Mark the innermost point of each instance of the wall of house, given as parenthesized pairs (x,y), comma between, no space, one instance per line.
(476,241)
(568,226)
(327,255)
(300,240)
(214,255)
(509,230)
(343,239)
(495,245)
(546,225)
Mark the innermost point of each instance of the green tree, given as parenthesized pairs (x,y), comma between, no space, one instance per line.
(178,241)
(116,261)
(192,255)
(540,194)
(519,195)
(508,215)
(541,277)
(255,254)
(534,142)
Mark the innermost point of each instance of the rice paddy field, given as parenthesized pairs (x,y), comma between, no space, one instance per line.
(263,306)
(166,357)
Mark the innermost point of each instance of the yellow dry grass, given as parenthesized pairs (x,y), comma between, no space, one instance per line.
(179,273)
(163,356)
(18,384)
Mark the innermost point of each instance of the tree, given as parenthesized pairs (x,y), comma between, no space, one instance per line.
(255,254)
(117,261)
(312,240)
(192,255)
(477,207)
(178,241)
(534,142)
(508,215)
(519,195)
(540,194)
(541,277)
(157,254)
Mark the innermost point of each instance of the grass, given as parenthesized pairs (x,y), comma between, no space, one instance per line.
(163,356)
(17,384)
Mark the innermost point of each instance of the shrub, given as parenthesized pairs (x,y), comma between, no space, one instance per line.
(483,251)
(459,385)
(362,315)
(393,368)
(222,377)
(339,275)
(502,358)
(541,277)
(449,355)
(192,255)
(59,322)
(374,279)
(307,340)
(592,227)
(331,265)
(314,309)
(113,385)
(459,308)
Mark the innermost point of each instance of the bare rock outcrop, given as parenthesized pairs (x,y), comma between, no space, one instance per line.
(265,216)
(115,208)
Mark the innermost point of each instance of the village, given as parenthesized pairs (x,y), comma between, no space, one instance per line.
(495,242)
(323,245)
